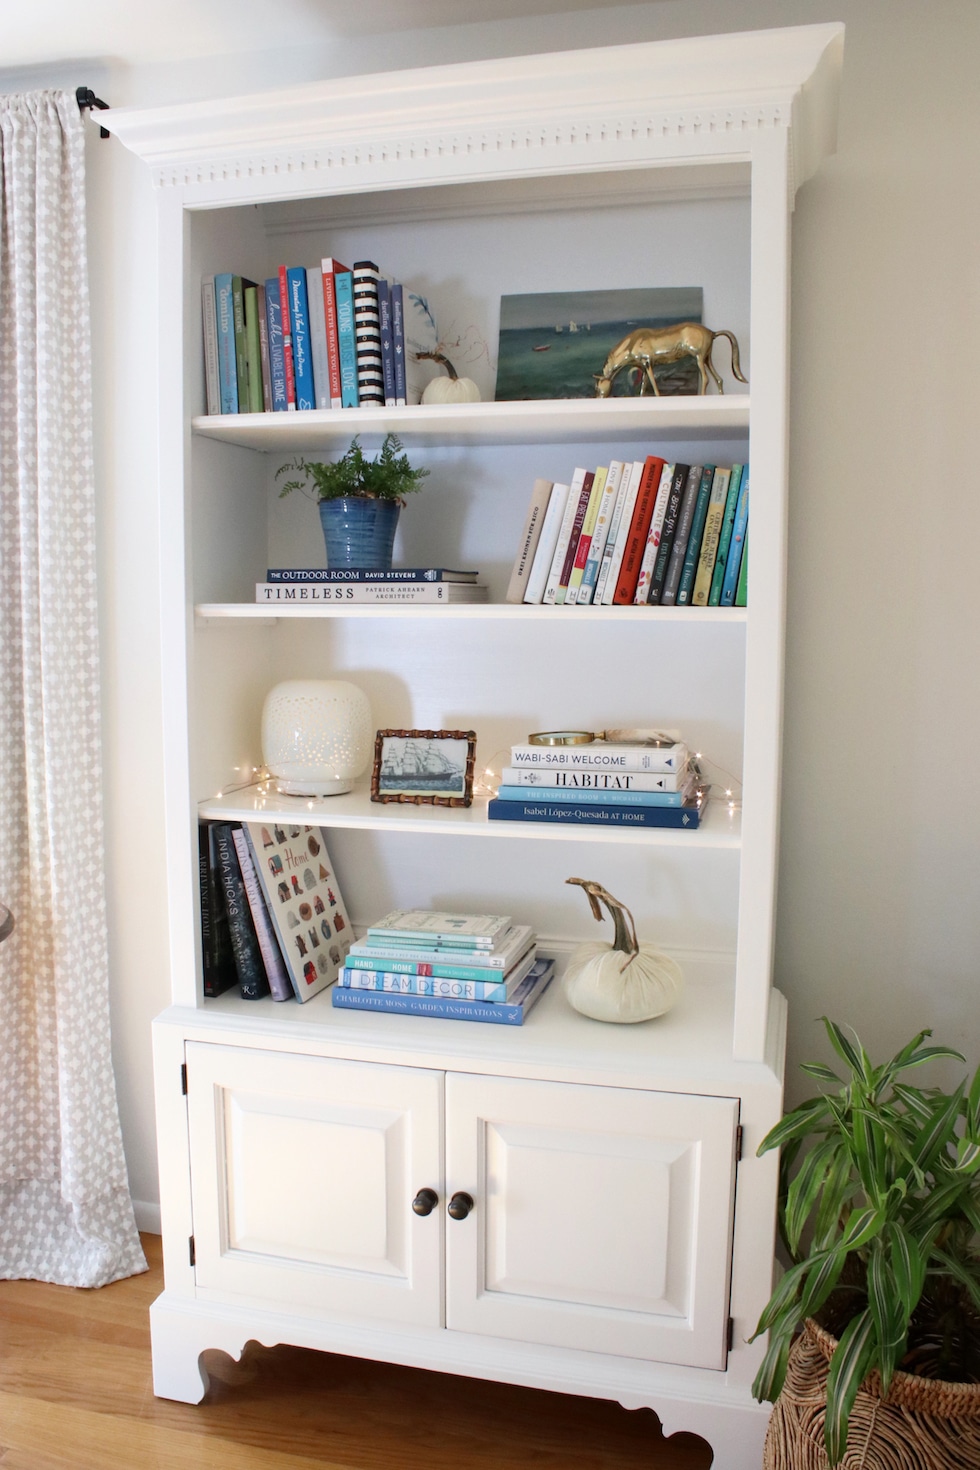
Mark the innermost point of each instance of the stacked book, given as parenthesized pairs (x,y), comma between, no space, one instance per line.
(601,784)
(633,533)
(322,336)
(460,967)
(351,586)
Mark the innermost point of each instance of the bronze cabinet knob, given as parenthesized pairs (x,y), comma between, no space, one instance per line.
(460,1205)
(425,1202)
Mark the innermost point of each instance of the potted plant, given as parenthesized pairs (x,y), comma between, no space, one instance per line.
(359,500)
(874,1331)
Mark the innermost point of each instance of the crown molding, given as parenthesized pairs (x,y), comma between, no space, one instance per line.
(616,106)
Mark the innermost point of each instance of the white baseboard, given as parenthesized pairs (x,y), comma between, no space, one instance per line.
(147,1217)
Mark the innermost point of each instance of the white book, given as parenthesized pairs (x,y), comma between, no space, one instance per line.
(528,545)
(614,780)
(512,948)
(318,336)
(588,528)
(564,536)
(631,487)
(610,494)
(351,594)
(603,579)
(653,536)
(601,755)
(547,542)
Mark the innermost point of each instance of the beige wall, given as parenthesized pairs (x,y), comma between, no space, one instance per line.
(878,915)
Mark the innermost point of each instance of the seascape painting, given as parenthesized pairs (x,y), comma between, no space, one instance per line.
(553,343)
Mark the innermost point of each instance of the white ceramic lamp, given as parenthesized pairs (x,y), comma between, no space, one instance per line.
(317,735)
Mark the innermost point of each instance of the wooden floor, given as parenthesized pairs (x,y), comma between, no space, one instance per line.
(75,1394)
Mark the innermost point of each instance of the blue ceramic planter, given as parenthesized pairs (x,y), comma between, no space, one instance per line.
(358,532)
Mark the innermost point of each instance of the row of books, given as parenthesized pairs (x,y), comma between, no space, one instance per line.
(321,336)
(635,533)
(601,783)
(273,921)
(354,586)
(459,967)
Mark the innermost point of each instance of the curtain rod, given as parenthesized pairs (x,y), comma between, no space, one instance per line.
(85,97)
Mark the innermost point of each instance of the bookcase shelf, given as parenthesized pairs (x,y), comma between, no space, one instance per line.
(662,164)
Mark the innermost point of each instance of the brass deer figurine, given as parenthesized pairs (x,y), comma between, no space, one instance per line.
(648,346)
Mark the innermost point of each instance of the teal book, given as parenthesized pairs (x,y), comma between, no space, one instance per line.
(689,570)
(225,326)
(734,562)
(346,345)
(500,1013)
(742,587)
(685,518)
(725,539)
(597,798)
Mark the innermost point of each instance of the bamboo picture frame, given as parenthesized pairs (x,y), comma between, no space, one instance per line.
(424,767)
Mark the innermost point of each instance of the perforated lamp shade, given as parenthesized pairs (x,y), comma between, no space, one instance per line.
(317,735)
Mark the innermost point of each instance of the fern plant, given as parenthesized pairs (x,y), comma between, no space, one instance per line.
(390,476)
(879,1210)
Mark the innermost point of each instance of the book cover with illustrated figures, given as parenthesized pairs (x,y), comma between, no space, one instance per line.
(304,900)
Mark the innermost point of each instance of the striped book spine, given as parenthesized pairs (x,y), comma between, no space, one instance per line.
(367,334)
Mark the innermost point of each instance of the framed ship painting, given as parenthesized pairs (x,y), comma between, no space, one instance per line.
(425,767)
(553,344)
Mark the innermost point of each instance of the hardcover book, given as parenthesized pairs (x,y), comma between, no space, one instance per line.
(367,593)
(585,536)
(387,342)
(712,535)
(610,495)
(685,516)
(285,316)
(299,323)
(613,554)
(502,1013)
(253,351)
(318,336)
(416,959)
(304,901)
(437,927)
(645,579)
(329,268)
(600,796)
(554,583)
(547,542)
(685,588)
(368,574)
(590,814)
(209,315)
(272,958)
(345,339)
(225,328)
(252,980)
(448,986)
(601,755)
(729,585)
(615,780)
(635,540)
(277,361)
(217,955)
(725,538)
(367,334)
(528,544)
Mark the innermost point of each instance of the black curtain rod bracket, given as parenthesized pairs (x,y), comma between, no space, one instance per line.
(85,97)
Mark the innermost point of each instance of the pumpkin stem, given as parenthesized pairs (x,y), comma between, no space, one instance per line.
(437,357)
(624,937)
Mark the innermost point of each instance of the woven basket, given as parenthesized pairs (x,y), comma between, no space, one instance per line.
(924,1424)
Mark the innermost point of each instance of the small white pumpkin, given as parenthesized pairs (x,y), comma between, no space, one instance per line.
(624,981)
(447,390)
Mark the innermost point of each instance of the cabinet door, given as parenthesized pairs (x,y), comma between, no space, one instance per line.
(303,1172)
(602,1219)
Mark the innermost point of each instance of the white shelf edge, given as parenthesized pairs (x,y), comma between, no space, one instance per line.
(526,422)
(718,829)
(206,612)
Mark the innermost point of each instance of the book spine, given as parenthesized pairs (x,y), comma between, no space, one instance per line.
(448,988)
(631,488)
(345,339)
(729,586)
(328,269)
(597,797)
(318,336)
(238,285)
(742,586)
(528,545)
(643,581)
(287,339)
(663,759)
(277,362)
(252,978)
(534,777)
(505,1014)
(375,955)
(612,535)
(709,541)
(264,359)
(677,552)
(227,363)
(725,539)
(428,969)
(553,582)
(584,495)
(368,574)
(299,325)
(685,587)
(367,335)
(253,350)
(547,542)
(209,321)
(218,961)
(664,550)
(387,341)
(398,342)
(275,967)
(359,592)
(592,814)
(585,536)
(636,538)
(600,534)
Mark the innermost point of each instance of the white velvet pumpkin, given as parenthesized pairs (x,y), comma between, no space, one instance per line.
(451,389)
(624,981)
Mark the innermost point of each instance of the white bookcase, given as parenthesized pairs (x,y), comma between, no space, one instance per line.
(620,1242)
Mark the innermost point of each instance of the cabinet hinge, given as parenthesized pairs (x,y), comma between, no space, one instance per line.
(730,1340)
(183,1078)
(738,1141)
(191,1251)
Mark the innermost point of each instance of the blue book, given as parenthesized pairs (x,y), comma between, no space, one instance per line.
(367,574)
(344,285)
(725,538)
(453,985)
(299,321)
(277,360)
(500,1013)
(387,342)
(691,556)
(591,797)
(398,342)
(227,360)
(730,584)
(590,814)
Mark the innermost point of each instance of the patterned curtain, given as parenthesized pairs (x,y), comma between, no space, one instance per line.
(65,1210)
